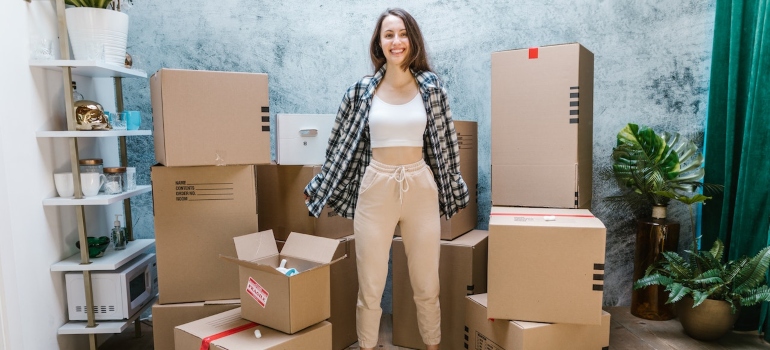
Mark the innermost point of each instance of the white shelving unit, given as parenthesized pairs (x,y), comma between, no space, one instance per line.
(112,259)
(90,68)
(97,133)
(101,199)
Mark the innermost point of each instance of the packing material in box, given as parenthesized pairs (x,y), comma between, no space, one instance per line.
(465,220)
(198,210)
(483,333)
(542,127)
(166,317)
(283,210)
(462,271)
(228,331)
(271,298)
(344,293)
(546,265)
(302,138)
(210,118)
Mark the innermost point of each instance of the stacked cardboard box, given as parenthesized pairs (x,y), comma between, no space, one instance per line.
(542,127)
(202,119)
(462,271)
(546,255)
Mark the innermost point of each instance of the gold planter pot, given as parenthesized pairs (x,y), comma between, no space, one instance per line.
(654,236)
(708,321)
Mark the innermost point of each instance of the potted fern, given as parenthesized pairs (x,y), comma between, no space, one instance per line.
(707,292)
(654,169)
(98,30)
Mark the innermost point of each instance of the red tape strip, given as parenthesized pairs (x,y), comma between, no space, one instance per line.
(561,215)
(206,343)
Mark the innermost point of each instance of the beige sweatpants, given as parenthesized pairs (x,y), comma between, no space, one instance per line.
(390,195)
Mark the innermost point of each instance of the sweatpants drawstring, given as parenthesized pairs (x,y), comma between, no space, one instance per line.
(399,175)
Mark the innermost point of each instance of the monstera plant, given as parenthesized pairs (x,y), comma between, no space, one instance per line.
(654,169)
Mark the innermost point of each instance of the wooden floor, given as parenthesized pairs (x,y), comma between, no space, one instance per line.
(627,332)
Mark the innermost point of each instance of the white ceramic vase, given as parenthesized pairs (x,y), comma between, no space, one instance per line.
(98,34)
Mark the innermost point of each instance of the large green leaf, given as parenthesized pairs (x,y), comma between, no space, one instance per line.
(753,274)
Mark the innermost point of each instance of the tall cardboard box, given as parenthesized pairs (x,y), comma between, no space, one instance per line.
(285,303)
(542,127)
(282,206)
(344,293)
(210,118)
(546,265)
(465,220)
(483,333)
(198,211)
(301,139)
(462,271)
(228,331)
(166,317)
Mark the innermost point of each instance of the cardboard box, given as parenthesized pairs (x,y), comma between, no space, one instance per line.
(462,271)
(283,209)
(210,118)
(546,265)
(286,303)
(467,219)
(542,127)
(166,317)
(344,294)
(302,138)
(228,331)
(485,334)
(198,210)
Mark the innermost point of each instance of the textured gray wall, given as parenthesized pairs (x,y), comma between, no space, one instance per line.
(652,60)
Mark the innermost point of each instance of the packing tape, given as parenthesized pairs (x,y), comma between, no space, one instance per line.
(206,342)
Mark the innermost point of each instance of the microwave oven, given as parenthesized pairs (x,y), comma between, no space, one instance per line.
(117,294)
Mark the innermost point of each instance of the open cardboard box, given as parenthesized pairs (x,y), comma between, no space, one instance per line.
(286,303)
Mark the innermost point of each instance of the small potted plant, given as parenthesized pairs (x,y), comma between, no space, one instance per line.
(98,30)
(708,293)
(654,169)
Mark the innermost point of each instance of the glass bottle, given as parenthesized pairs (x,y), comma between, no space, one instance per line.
(115,180)
(118,234)
(654,236)
(76,96)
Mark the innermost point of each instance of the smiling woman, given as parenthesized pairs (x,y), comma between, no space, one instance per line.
(393,158)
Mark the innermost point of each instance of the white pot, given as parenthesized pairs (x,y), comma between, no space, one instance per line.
(98,34)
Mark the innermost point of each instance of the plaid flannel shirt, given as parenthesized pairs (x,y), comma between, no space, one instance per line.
(349,150)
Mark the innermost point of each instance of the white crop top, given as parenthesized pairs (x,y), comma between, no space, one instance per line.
(397,125)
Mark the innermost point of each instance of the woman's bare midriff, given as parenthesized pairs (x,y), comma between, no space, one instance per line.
(397,155)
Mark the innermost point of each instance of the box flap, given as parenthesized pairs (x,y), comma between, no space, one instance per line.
(255,246)
(251,265)
(311,248)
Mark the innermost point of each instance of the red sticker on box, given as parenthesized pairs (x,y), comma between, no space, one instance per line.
(257,292)
(533,53)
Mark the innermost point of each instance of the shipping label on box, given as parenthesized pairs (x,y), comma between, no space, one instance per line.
(542,127)
(482,333)
(210,118)
(228,331)
(462,271)
(269,297)
(302,138)
(282,206)
(546,265)
(198,211)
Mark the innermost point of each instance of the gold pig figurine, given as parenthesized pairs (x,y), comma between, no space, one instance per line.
(90,116)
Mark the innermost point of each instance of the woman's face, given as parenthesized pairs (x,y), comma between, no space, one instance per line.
(393,40)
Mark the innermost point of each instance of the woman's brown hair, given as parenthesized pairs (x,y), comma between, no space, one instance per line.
(418,58)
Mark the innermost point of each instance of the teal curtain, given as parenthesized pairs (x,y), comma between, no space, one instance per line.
(738,133)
